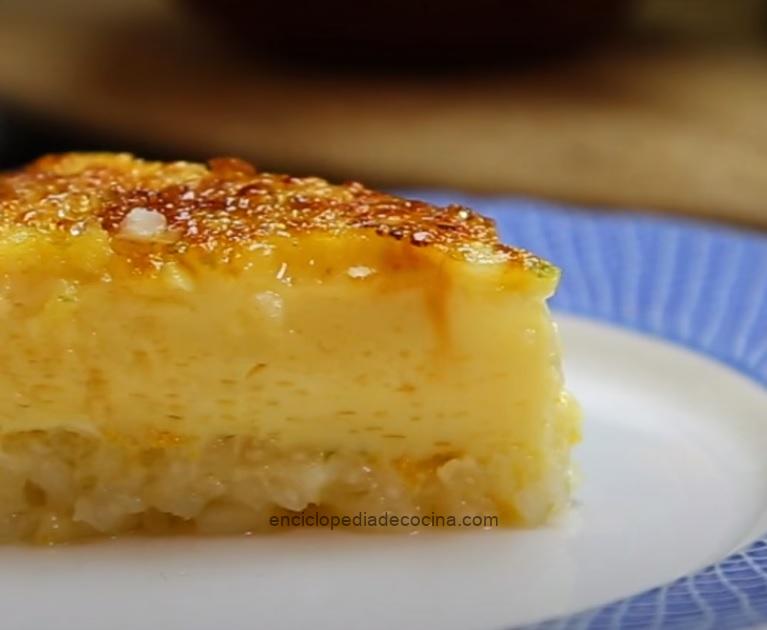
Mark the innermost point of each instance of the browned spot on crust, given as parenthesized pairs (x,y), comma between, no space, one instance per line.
(413,471)
(228,204)
(164,439)
(255,369)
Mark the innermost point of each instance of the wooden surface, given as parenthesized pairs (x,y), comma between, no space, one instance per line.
(648,126)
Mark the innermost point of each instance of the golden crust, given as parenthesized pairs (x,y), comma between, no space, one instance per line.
(228,204)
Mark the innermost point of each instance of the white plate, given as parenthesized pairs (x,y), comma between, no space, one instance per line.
(673,477)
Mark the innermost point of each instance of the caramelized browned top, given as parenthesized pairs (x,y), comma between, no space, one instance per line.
(228,203)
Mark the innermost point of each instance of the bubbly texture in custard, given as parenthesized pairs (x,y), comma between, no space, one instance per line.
(195,349)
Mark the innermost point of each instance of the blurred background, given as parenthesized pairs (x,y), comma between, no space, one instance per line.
(653,104)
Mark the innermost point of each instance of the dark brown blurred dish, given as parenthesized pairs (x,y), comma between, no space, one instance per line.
(644,122)
(411,30)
